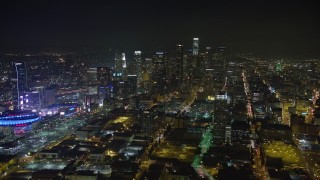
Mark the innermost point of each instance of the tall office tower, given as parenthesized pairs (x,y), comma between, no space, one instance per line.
(92,76)
(147,122)
(148,65)
(159,62)
(123,61)
(19,82)
(146,75)
(195,47)
(138,64)
(219,58)
(132,84)
(118,62)
(103,76)
(278,66)
(179,63)
(208,58)
(221,121)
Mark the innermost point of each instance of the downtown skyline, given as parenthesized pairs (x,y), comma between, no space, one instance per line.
(159,90)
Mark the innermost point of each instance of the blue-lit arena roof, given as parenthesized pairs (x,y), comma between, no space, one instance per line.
(18,119)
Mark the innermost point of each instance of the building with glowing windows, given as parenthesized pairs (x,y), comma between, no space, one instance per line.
(159,70)
(179,64)
(195,46)
(103,75)
(120,62)
(19,82)
(138,65)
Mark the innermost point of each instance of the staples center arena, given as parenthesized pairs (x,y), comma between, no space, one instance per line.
(19,121)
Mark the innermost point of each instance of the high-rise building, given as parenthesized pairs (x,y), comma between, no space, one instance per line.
(278,66)
(123,61)
(208,58)
(92,75)
(131,84)
(146,123)
(159,62)
(19,82)
(195,47)
(21,75)
(118,62)
(103,75)
(221,121)
(179,62)
(138,64)
(148,65)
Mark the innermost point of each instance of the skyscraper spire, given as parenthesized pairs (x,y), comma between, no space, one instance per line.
(195,47)
(123,59)
(120,62)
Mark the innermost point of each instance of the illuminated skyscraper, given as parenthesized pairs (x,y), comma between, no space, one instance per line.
(123,61)
(138,64)
(131,84)
(159,62)
(195,47)
(92,75)
(19,82)
(117,62)
(120,62)
(221,120)
(208,58)
(103,75)
(146,74)
(278,66)
(147,122)
(104,79)
(137,58)
(179,62)
(148,65)
(21,75)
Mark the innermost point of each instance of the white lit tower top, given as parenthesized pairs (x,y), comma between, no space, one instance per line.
(195,46)
(137,58)
(138,64)
(120,62)
(123,60)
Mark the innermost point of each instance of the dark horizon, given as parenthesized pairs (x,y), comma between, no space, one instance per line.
(267,27)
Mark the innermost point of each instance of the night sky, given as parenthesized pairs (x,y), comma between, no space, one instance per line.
(241,25)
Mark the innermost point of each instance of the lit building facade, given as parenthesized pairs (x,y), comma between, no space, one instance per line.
(19,82)
(138,65)
(104,79)
(179,65)
(195,46)
(120,62)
